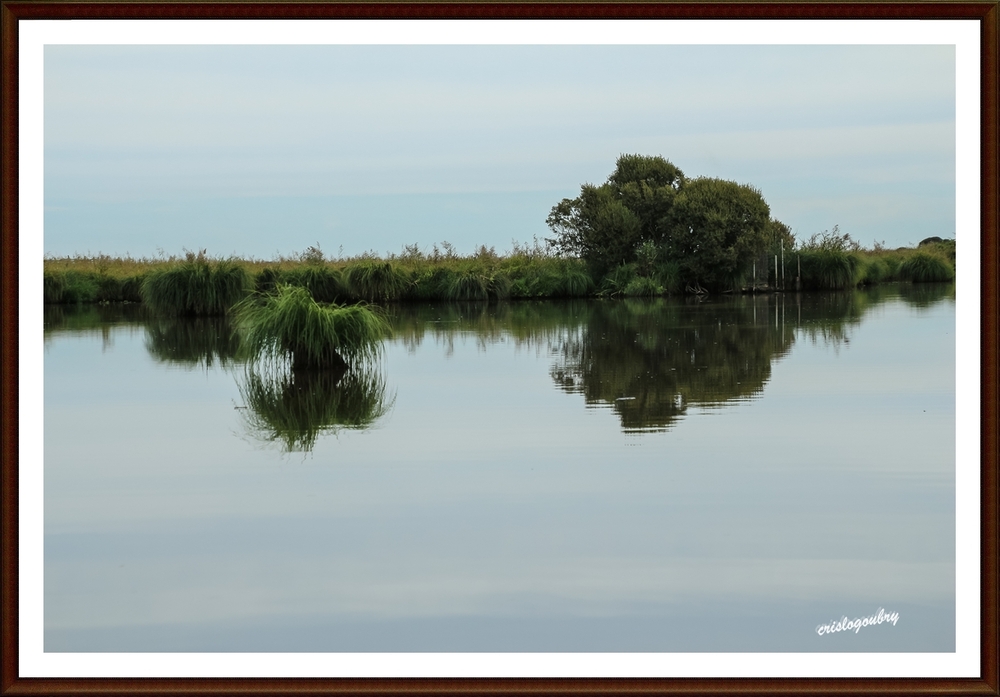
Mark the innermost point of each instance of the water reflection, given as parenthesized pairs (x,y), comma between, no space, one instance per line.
(926,295)
(651,360)
(294,407)
(192,342)
(647,360)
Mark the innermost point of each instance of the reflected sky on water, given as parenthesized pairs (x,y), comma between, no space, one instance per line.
(662,475)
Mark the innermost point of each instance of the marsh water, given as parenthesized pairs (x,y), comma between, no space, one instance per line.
(606,475)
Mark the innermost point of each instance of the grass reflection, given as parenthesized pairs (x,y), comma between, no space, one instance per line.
(293,408)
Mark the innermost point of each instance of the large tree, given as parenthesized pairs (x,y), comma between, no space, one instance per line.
(711,229)
(605,224)
(719,227)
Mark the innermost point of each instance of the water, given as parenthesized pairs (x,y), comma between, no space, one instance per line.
(637,476)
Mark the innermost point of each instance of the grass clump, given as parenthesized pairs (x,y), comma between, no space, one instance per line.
(325,283)
(289,322)
(196,286)
(829,269)
(922,267)
(376,281)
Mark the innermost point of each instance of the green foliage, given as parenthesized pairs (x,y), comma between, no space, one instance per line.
(478,285)
(573,283)
(642,286)
(468,285)
(922,267)
(324,283)
(828,269)
(648,213)
(719,227)
(53,286)
(618,280)
(70,287)
(196,286)
(831,260)
(874,270)
(289,323)
(605,224)
(376,281)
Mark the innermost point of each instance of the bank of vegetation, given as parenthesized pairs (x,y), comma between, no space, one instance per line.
(647,231)
(202,286)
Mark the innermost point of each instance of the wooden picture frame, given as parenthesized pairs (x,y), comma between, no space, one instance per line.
(12,12)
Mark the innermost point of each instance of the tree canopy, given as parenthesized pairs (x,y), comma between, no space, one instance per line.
(710,230)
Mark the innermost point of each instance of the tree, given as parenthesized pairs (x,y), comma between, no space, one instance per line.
(605,224)
(719,227)
(710,228)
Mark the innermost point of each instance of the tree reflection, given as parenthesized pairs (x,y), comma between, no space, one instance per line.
(652,360)
(295,407)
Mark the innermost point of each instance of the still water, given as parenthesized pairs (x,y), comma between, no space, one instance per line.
(664,475)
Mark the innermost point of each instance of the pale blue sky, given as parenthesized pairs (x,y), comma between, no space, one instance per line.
(265,150)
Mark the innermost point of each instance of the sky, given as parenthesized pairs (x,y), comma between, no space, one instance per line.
(261,151)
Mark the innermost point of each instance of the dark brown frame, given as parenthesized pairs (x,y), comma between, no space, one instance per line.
(987,12)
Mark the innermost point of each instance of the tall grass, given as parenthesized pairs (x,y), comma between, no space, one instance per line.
(829,269)
(290,323)
(922,267)
(325,283)
(376,281)
(196,286)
